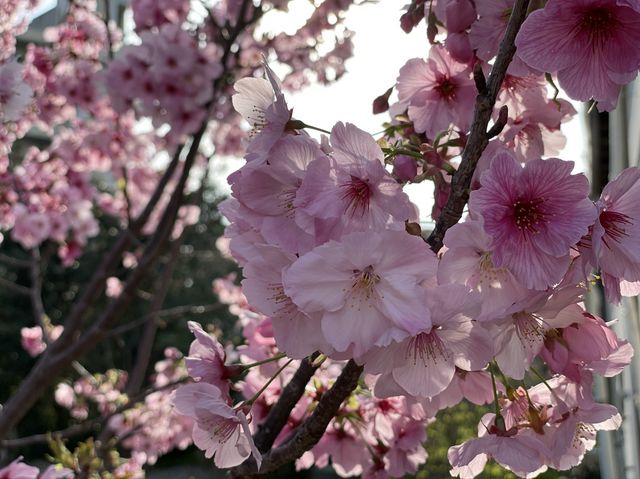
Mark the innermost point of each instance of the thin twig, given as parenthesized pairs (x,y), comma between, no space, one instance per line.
(309,432)
(15,262)
(279,414)
(36,295)
(89,424)
(478,137)
(167,314)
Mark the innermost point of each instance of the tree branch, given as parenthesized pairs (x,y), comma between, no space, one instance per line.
(309,433)
(16,288)
(15,262)
(279,414)
(478,136)
(170,313)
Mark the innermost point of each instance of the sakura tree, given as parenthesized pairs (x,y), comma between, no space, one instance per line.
(358,327)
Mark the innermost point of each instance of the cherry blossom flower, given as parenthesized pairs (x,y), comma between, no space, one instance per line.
(219,429)
(520,335)
(206,360)
(439,92)
(520,451)
(534,215)
(15,93)
(468,260)
(296,333)
(357,193)
(613,249)
(32,338)
(589,43)
(424,364)
(19,470)
(572,419)
(270,190)
(262,103)
(365,296)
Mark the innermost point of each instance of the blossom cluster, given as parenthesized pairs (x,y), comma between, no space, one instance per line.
(368,436)
(322,231)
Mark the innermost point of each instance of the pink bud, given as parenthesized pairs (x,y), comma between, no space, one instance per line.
(459,47)
(405,167)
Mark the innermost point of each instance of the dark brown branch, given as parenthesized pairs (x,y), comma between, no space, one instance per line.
(501,122)
(309,433)
(16,288)
(36,295)
(165,314)
(145,347)
(478,136)
(15,262)
(279,414)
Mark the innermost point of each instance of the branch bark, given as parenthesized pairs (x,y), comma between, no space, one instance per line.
(279,414)
(478,136)
(57,358)
(309,433)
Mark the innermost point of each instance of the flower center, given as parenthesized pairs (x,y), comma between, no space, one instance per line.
(446,88)
(365,280)
(357,194)
(614,226)
(528,215)
(428,347)
(287,198)
(529,329)
(223,429)
(599,23)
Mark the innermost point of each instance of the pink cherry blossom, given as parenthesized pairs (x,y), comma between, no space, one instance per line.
(520,335)
(15,93)
(32,339)
(355,193)
(572,419)
(534,215)
(522,452)
(468,260)
(424,364)
(219,429)
(262,103)
(296,333)
(439,92)
(366,296)
(114,287)
(270,191)
(613,249)
(589,43)
(19,470)
(206,360)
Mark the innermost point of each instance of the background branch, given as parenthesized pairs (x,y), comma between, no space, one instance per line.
(309,432)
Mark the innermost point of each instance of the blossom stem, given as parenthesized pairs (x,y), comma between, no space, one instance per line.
(541,377)
(304,125)
(495,391)
(264,361)
(253,399)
